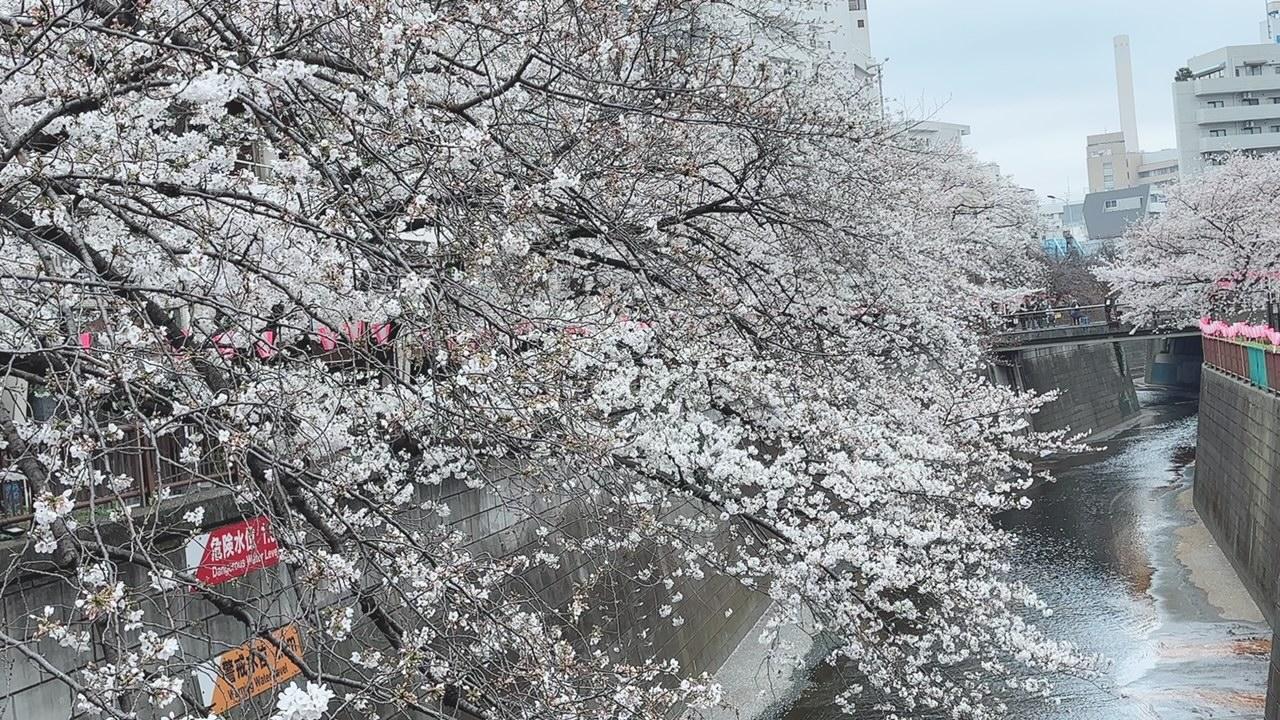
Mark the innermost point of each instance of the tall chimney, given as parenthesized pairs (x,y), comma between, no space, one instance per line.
(1124,88)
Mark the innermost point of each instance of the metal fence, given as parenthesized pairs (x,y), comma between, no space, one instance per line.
(1254,363)
(152,468)
(1045,318)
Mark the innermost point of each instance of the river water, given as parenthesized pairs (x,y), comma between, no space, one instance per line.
(1116,548)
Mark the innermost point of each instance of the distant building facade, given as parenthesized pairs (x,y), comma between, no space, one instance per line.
(938,135)
(1228,101)
(1108,215)
(1271,26)
(1063,230)
(838,29)
(1159,169)
(1110,163)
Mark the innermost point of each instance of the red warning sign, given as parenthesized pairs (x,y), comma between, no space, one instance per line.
(232,551)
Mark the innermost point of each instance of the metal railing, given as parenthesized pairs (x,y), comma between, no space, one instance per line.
(1104,318)
(1254,363)
(153,470)
(1061,317)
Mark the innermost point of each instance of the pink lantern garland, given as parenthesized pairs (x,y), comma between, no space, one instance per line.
(1261,333)
(228,344)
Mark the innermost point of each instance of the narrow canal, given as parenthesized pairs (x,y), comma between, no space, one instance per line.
(1115,546)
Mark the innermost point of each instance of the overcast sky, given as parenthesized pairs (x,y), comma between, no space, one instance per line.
(1033,78)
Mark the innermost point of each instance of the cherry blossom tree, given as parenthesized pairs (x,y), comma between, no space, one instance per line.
(676,303)
(1214,251)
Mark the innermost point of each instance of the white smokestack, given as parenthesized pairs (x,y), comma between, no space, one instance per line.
(1124,88)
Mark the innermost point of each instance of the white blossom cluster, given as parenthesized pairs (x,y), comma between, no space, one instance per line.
(1214,251)
(665,310)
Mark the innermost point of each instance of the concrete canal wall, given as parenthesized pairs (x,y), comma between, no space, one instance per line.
(1094,382)
(718,612)
(1237,490)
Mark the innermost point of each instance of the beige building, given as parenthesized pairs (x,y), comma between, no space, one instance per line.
(1111,165)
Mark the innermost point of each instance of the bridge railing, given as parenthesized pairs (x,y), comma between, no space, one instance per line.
(1060,317)
(1110,318)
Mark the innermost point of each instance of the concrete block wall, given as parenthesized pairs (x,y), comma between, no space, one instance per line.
(1096,389)
(486,517)
(1237,491)
(1174,362)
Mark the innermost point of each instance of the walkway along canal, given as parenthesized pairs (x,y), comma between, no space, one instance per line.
(1116,547)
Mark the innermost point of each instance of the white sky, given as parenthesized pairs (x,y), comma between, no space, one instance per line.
(1034,77)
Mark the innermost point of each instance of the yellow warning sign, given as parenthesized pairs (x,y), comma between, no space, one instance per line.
(251,669)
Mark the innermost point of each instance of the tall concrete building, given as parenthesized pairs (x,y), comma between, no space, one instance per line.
(1110,163)
(1228,101)
(1115,160)
(937,134)
(835,29)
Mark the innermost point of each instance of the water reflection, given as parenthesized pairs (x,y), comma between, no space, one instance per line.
(1108,547)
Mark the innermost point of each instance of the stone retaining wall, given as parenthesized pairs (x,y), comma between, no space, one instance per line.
(701,644)
(1096,389)
(1237,490)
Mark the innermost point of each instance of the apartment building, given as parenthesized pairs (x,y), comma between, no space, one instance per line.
(938,135)
(829,30)
(1227,101)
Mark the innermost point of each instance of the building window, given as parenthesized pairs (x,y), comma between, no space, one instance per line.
(1218,103)
(1111,204)
(862,23)
(1217,133)
(857,5)
(1252,130)
(1251,70)
(1275,101)
(1250,101)
(1275,128)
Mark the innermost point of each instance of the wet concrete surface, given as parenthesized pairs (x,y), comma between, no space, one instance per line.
(1115,547)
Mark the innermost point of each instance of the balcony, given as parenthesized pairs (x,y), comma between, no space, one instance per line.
(1261,141)
(1227,85)
(1262,113)
(154,467)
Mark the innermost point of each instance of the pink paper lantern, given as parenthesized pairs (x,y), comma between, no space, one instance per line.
(266,347)
(224,342)
(328,339)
